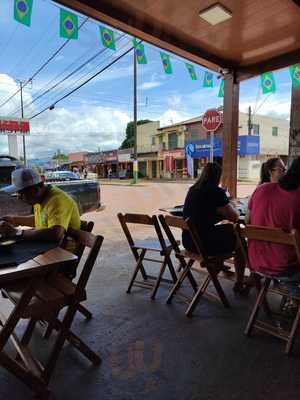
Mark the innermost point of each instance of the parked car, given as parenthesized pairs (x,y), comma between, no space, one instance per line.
(61,176)
(85,192)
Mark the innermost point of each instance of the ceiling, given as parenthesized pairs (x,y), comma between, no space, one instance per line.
(262,35)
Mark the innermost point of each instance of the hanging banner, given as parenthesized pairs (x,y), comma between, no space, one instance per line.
(16,126)
(165,58)
(68,25)
(23,11)
(189,150)
(192,71)
(107,38)
(268,83)
(140,52)
(208,80)
(295,74)
(221,89)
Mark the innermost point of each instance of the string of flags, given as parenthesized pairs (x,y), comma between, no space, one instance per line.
(69,30)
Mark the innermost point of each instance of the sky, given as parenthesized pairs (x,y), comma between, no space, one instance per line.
(95,117)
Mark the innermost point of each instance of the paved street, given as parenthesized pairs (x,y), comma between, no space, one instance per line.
(148,197)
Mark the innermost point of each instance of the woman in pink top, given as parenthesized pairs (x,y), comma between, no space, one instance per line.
(276,205)
(272,170)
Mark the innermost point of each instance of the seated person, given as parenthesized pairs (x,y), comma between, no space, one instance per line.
(276,205)
(54,210)
(206,204)
(272,170)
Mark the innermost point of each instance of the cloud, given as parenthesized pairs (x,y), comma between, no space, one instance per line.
(172,117)
(149,85)
(86,128)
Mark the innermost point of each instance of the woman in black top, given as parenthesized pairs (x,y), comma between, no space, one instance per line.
(207,204)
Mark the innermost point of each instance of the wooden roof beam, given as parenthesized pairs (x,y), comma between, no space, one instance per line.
(270,65)
(152,33)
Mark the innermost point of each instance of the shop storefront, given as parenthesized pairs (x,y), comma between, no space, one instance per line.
(174,163)
(248,149)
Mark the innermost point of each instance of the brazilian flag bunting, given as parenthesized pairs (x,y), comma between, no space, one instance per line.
(192,71)
(22,11)
(140,52)
(295,74)
(165,58)
(107,37)
(268,84)
(208,80)
(68,25)
(221,89)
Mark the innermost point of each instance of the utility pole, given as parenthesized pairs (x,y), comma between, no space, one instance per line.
(249,121)
(135,161)
(22,116)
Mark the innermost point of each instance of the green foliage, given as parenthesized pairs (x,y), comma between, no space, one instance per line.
(128,142)
(60,156)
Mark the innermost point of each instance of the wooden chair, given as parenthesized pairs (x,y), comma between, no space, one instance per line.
(85,226)
(51,296)
(213,264)
(274,236)
(141,247)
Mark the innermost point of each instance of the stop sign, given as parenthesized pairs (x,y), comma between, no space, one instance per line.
(211,120)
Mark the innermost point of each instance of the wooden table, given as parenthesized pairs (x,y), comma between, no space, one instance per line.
(25,367)
(240,203)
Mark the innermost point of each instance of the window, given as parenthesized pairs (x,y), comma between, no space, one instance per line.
(153,140)
(195,134)
(275,131)
(255,129)
(172,141)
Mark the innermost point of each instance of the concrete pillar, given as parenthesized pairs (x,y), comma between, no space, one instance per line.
(13,146)
(230,133)
(294,144)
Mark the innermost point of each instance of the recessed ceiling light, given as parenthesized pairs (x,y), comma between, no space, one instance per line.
(215,14)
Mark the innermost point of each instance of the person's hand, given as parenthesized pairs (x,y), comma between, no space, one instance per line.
(7,230)
(9,218)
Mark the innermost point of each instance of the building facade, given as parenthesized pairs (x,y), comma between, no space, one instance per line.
(163,154)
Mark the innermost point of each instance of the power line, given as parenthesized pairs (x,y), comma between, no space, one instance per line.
(43,65)
(84,83)
(68,76)
(86,74)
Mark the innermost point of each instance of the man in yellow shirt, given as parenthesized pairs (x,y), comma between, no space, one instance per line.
(54,210)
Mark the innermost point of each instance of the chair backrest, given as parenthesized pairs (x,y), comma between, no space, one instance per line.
(85,226)
(268,234)
(140,219)
(94,243)
(170,221)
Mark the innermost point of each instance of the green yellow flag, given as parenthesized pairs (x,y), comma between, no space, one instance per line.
(165,58)
(221,89)
(23,11)
(295,74)
(68,25)
(107,37)
(192,71)
(268,84)
(208,80)
(140,52)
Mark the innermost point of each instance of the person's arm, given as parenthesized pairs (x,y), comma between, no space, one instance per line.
(53,234)
(228,212)
(16,220)
(247,217)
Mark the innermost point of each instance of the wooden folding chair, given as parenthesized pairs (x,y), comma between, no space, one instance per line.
(85,226)
(213,264)
(51,296)
(274,236)
(141,247)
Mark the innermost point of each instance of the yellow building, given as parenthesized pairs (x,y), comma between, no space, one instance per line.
(147,150)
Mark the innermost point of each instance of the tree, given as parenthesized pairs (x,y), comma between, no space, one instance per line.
(128,142)
(60,157)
